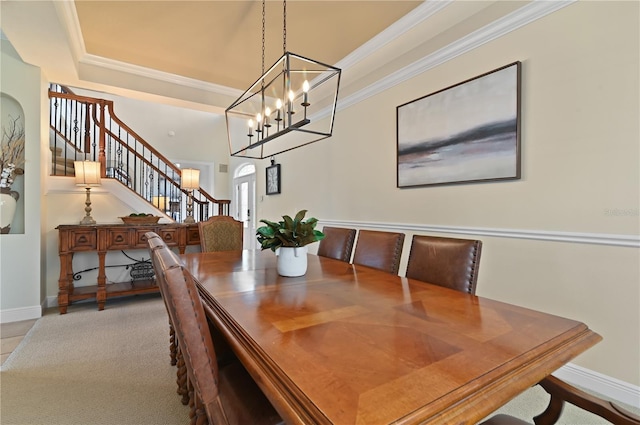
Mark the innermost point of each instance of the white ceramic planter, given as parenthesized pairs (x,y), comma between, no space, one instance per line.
(292,262)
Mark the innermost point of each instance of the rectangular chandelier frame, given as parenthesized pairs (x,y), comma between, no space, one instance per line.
(286,108)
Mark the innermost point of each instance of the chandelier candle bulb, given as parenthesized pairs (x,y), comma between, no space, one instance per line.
(278,108)
(305,89)
(267,113)
(258,124)
(292,96)
(250,123)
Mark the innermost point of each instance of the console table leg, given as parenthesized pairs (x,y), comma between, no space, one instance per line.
(101,295)
(64,281)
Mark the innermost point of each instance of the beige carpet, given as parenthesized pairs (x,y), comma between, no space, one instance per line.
(94,367)
(112,367)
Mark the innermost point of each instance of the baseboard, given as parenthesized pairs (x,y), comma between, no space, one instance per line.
(51,301)
(611,388)
(19,314)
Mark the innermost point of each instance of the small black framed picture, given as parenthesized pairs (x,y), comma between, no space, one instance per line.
(273,179)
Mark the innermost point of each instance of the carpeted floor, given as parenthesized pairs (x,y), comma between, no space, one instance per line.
(112,367)
(91,367)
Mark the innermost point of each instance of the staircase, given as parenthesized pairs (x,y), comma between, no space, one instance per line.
(61,165)
(85,128)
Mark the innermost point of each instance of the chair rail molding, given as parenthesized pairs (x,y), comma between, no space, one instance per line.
(631,241)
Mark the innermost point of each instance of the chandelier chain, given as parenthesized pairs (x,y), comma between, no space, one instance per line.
(284,26)
(263,31)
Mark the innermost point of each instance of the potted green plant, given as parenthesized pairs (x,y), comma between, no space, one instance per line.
(289,239)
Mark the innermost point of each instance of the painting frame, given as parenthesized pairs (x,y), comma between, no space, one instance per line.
(273,179)
(465,133)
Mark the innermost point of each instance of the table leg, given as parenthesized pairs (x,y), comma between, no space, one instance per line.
(101,295)
(64,281)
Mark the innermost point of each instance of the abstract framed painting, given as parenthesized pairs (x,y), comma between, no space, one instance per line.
(273,179)
(468,132)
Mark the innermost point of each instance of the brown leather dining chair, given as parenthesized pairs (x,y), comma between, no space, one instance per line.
(155,242)
(220,233)
(163,259)
(448,262)
(562,392)
(337,243)
(380,250)
(225,395)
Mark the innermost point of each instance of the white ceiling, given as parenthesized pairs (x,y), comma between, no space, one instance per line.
(202,54)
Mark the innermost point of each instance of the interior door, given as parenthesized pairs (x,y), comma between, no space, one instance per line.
(245,206)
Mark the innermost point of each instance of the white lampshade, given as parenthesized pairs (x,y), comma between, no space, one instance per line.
(190,179)
(87,173)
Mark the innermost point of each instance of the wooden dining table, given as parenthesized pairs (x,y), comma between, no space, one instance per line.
(347,344)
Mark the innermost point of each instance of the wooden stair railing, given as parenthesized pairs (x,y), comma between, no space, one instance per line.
(87,128)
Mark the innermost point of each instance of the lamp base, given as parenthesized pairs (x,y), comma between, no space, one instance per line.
(88,220)
(189,220)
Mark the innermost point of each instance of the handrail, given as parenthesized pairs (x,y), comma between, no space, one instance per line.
(90,129)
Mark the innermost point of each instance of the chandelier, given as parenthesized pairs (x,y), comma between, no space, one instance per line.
(291,105)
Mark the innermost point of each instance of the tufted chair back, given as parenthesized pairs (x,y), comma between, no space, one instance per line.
(448,262)
(380,250)
(220,233)
(337,243)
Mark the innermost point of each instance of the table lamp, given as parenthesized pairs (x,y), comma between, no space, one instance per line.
(87,176)
(190,181)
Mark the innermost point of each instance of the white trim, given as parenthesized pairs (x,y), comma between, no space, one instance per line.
(521,17)
(395,30)
(610,388)
(632,241)
(141,71)
(68,14)
(511,22)
(51,301)
(20,314)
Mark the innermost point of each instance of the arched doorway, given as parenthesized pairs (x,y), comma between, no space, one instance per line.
(244,201)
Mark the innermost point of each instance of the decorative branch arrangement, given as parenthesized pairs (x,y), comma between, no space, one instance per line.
(11,153)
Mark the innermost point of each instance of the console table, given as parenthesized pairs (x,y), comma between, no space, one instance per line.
(101,238)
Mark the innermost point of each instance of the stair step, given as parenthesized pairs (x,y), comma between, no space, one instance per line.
(60,170)
(62,161)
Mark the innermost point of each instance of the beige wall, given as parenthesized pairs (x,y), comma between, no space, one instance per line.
(580,162)
(580,151)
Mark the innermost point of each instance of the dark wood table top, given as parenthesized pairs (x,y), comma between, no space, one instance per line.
(347,344)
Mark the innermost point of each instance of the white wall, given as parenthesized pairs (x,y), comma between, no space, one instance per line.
(20,254)
(580,177)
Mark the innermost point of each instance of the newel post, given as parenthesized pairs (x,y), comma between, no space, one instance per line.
(102,142)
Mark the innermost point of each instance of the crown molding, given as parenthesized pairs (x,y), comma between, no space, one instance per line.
(395,30)
(68,15)
(517,19)
(141,71)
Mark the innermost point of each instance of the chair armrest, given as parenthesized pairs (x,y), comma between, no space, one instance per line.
(560,392)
